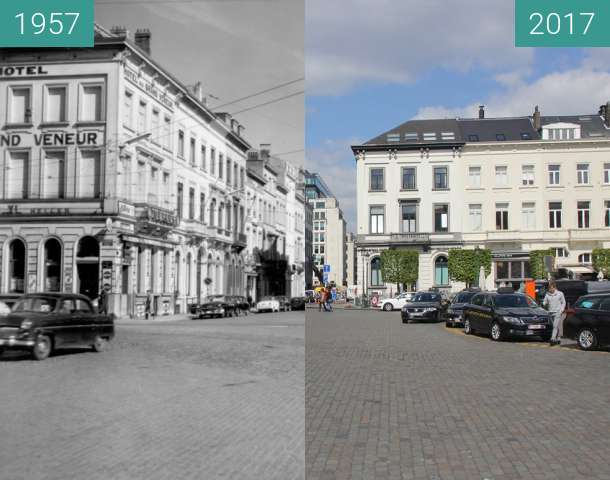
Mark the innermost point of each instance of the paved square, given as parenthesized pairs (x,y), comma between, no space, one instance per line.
(391,401)
(209,399)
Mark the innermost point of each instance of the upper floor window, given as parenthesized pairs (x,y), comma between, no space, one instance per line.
(193,152)
(20,105)
(582,173)
(203,158)
(607,213)
(221,161)
(474,177)
(606,172)
(441,218)
(142,117)
(584,212)
(408,217)
(53,175)
(554,175)
(91,103)
(155,125)
(561,252)
(393,137)
(473,138)
(181,143)
(528,215)
(501,176)
(441,178)
(554,215)
(527,175)
(377,215)
(409,181)
(167,133)
(501,216)
(584,258)
(475,214)
(377,180)
(17,173)
(213,161)
(55,105)
(430,136)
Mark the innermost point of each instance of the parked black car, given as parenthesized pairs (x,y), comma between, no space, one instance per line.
(42,323)
(215,306)
(455,310)
(297,303)
(589,322)
(504,315)
(425,306)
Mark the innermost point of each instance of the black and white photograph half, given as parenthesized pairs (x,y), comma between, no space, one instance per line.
(153,244)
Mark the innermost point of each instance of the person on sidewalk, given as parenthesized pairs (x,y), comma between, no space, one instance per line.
(555,303)
(149,305)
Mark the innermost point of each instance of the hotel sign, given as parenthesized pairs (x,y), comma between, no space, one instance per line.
(23,70)
(149,87)
(58,139)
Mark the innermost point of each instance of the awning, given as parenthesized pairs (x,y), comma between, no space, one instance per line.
(579,269)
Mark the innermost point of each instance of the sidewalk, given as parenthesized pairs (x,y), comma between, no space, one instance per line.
(152,320)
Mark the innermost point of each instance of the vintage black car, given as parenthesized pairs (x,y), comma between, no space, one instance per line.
(589,322)
(297,303)
(44,322)
(506,315)
(425,306)
(215,306)
(455,310)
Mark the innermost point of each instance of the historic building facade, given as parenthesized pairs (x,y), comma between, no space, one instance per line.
(116,176)
(511,185)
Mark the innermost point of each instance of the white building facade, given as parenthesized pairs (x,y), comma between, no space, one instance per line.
(510,185)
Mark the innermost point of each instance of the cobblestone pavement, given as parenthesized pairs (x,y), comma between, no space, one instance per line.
(391,401)
(194,399)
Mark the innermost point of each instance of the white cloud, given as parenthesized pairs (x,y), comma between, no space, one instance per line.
(351,42)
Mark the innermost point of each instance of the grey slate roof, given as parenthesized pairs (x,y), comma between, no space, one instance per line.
(470,130)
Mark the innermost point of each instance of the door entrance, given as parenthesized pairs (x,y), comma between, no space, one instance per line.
(88,279)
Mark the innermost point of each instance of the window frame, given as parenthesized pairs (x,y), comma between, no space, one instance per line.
(587,173)
(81,95)
(402,179)
(382,170)
(371,232)
(435,187)
(9,97)
(45,106)
(434,207)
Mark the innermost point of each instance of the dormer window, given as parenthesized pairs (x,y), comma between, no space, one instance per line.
(448,135)
(412,137)
(430,136)
(561,131)
(393,137)
(473,138)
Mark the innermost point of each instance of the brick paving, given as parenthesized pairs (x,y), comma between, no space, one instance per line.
(209,399)
(392,401)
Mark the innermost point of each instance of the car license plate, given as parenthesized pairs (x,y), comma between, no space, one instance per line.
(536,327)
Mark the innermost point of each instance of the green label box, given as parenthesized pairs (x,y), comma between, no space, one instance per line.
(562,23)
(46,23)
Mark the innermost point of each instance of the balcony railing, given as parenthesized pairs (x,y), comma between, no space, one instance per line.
(410,237)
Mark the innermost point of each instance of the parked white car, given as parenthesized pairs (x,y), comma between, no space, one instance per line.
(396,303)
(268,304)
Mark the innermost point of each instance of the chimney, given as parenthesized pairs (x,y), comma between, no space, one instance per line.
(142,38)
(265,151)
(537,120)
(240,130)
(197,91)
(481,112)
(607,115)
(118,30)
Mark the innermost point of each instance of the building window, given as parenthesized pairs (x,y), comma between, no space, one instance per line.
(203,158)
(212,212)
(20,105)
(441,218)
(228,171)
(430,136)
(607,213)
(441,178)
(441,272)
(527,175)
(501,176)
(475,215)
(408,217)
(528,215)
(500,137)
(202,207)
(213,161)
(512,273)
(377,219)
(409,181)
(52,265)
(16,269)
(89,182)
(607,173)
(376,280)
(180,200)
(554,215)
(181,143)
(155,126)
(393,137)
(242,177)
(376,182)
(191,203)
(560,252)
(501,216)
(53,175)
(584,211)
(554,174)
(55,106)
(17,173)
(582,174)
(474,177)
(473,138)
(221,161)
(141,117)
(193,152)
(91,103)
(167,133)
(584,258)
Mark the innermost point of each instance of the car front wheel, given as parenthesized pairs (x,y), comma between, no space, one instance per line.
(42,348)
(587,340)
(99,344)
(467,327)
(388,307)
(496,332)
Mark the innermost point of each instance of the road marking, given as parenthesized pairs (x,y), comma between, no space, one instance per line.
(568,348)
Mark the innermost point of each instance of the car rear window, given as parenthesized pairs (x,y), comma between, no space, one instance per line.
(463,297)
(35,304)
(514,301)
(427,297)
(588,303)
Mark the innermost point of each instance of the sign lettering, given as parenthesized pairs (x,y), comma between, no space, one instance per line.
(23,70)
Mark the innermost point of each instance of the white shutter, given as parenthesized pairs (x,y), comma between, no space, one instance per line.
(17,175)
(20,102)
(56,104)
(89,177)
(92,103)
(53,180)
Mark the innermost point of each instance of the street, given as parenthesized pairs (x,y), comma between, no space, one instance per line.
(391,401)
(192,399)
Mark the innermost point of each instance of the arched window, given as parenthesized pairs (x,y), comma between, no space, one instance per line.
(87,266)
(441,271)
(16,267)
(52,265)
(376,279)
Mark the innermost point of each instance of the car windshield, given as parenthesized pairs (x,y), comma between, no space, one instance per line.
(267,299)
(35,304)
(463,297)
(426,297)
(588,303)
(517,301)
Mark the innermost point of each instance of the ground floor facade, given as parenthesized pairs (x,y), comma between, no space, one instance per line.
(510,258)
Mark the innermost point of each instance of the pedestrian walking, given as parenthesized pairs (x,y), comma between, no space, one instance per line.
(555,303)
(102,302)
(149,310)
(319,299)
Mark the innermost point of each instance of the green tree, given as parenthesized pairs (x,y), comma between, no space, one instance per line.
(537,263)
(601,260)
(465,265)
(399,266)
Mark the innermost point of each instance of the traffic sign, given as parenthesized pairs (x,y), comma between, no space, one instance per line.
(326,268)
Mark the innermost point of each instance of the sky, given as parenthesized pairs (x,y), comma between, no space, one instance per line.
(372,65)
(235,48)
